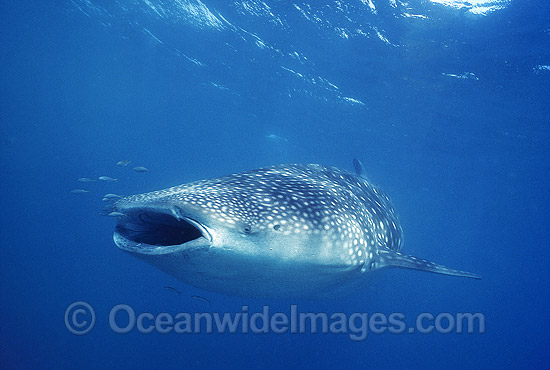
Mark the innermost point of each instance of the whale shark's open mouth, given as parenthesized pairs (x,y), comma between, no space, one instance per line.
(149,231)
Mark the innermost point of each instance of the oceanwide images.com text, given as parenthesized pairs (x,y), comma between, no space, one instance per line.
(80,318)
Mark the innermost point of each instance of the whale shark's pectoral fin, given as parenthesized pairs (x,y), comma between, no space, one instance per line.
(391,258)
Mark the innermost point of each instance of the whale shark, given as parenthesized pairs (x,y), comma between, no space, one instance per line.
(282,231)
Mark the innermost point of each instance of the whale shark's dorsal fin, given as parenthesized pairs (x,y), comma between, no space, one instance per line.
(390,258)
(359,168)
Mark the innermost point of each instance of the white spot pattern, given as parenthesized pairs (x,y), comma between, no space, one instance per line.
(344,210)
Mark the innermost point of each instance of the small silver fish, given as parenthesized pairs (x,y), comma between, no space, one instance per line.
(86,179)
(276,138)
(172,289)
(116,214)
(106,178)
(123,163)
(141,169)
(200,298)
(79,191)
(110,197)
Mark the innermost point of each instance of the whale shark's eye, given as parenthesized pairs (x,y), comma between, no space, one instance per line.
(276,227)
(247,229)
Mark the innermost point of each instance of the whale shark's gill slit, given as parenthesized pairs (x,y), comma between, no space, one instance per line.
(157,228)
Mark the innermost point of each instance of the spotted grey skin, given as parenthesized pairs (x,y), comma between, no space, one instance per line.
(280,231)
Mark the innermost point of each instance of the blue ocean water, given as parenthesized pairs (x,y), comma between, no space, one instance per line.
(445,102)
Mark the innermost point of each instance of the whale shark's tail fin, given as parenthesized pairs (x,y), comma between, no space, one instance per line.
(391,258)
